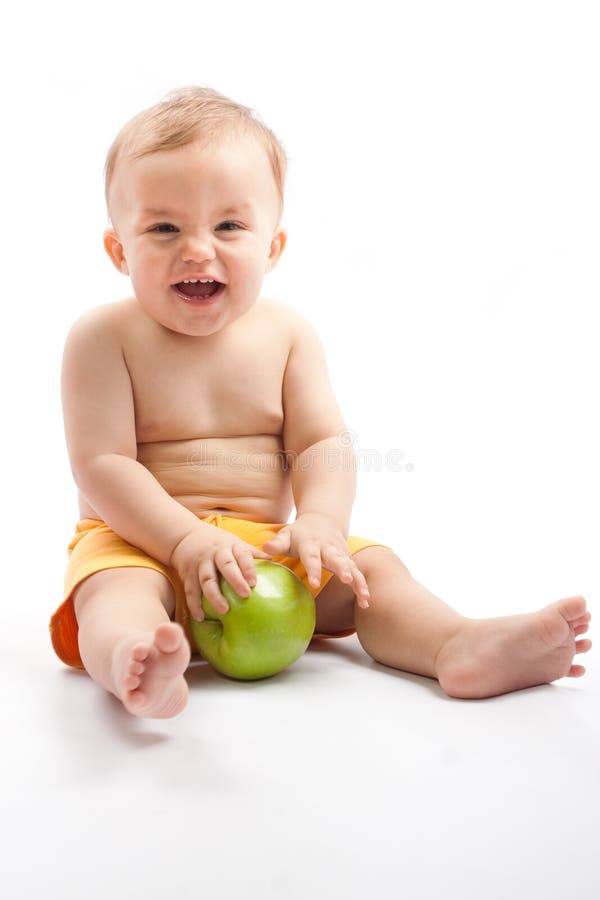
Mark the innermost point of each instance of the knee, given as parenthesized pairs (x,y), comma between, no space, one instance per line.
(116,585)
(379,560)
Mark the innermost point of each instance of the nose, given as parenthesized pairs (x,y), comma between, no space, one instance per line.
(198,248)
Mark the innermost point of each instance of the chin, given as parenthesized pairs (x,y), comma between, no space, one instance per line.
(200,330)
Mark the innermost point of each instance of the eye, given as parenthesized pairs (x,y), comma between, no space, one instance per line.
(164,228)
(228,226)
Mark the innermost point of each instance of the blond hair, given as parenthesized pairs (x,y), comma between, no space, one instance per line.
(186,115)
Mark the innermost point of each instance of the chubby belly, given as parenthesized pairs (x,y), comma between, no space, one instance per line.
(244,477)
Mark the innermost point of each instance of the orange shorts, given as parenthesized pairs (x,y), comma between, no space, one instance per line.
(95,547)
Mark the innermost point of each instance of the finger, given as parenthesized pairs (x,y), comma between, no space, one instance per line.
(342,565)
(310,556)
(348,572)
(359,584)
(193,598)
(209,583)
(280,543)
(228,565)
(339,563)
(361,588)
(260,554)
(245,559)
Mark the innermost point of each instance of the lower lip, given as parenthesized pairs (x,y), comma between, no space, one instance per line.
(200,302)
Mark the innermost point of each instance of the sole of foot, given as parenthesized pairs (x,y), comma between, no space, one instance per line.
(495,656)
(148,672)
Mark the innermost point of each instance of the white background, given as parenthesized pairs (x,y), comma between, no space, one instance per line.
(443,216)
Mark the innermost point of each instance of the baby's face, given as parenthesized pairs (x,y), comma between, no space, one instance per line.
(196,213)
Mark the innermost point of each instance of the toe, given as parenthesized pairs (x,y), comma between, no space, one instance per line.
(583,646)
(136,699)
(131,682)
(572,608)
(576,672)
(140,652)
(580,629)
(168,637)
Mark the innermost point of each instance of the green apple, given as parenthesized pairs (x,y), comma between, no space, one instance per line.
(261,634)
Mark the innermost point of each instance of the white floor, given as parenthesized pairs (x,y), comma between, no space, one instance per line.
(337,778)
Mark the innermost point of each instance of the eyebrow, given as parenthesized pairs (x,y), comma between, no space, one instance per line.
(153,211)
(156,212)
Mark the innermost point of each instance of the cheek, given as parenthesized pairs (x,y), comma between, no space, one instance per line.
(254,261)
(243,270)
(146,265)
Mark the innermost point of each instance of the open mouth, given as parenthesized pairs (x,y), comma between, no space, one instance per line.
(198,291)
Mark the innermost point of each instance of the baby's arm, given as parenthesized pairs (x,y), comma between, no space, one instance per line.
(323,471)
(100,430)
(99,422)
(322,463)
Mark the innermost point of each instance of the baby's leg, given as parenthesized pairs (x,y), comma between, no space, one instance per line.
(128,643)
(408,627)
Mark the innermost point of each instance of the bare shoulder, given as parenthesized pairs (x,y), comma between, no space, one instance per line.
(97,396)
(289,322)
(106,319)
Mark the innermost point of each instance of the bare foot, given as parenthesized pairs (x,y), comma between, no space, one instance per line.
(148,672)
(494,656)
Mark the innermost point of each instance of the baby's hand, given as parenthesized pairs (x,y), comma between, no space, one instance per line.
(318,542)
(202,554)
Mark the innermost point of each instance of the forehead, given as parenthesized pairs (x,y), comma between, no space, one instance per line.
(232,171)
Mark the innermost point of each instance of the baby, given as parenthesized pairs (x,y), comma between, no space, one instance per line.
(198,414)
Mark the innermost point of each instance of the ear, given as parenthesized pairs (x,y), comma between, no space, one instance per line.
(277,247)
(114,248)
